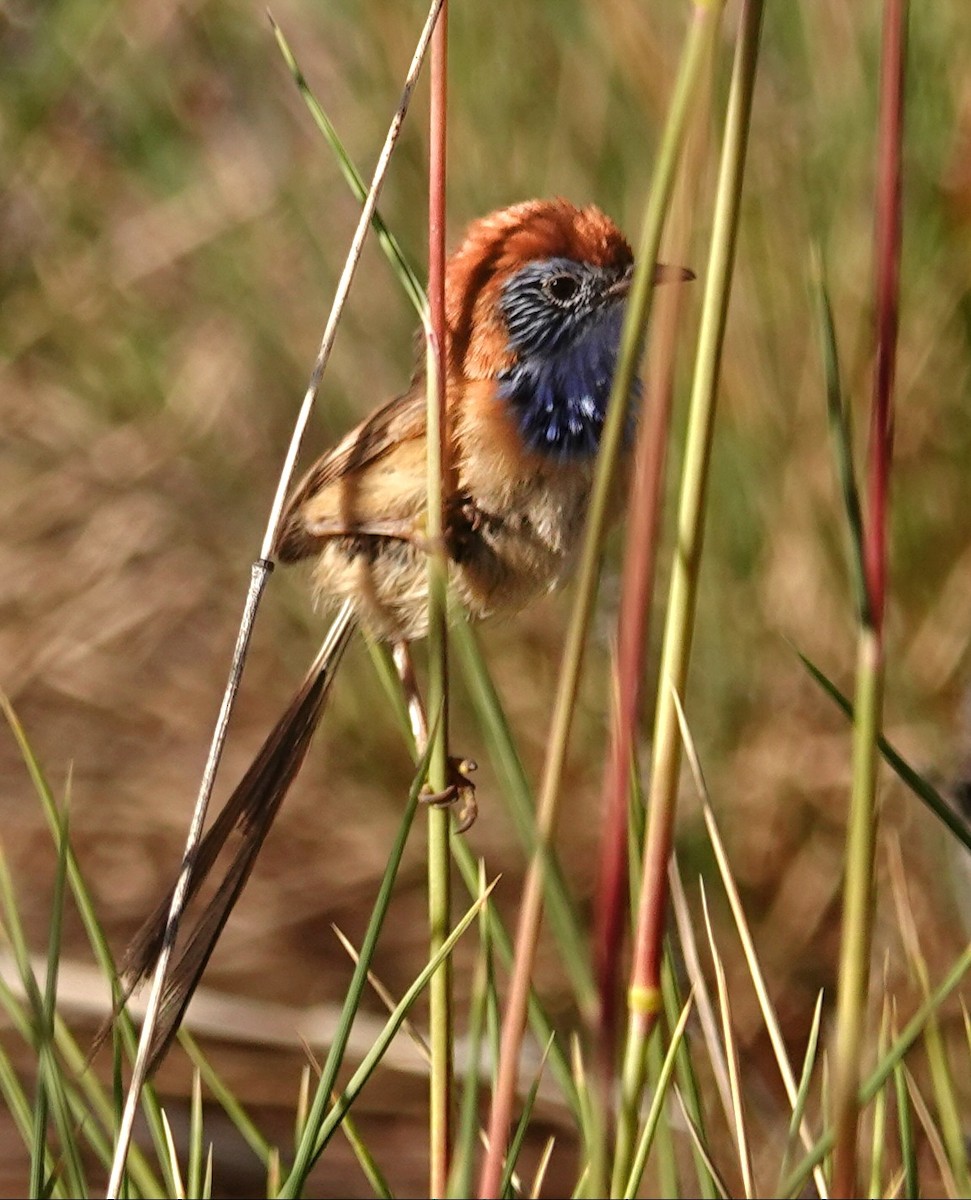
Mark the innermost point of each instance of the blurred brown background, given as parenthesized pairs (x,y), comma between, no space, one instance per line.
(171,229)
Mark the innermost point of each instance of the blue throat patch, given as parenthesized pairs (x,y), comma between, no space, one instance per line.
(559,394)
(564,322)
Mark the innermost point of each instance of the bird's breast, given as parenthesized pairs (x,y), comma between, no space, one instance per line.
(530,507)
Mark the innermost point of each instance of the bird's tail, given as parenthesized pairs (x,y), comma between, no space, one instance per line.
(250,811)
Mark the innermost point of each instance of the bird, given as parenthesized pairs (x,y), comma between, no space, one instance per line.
(534,304)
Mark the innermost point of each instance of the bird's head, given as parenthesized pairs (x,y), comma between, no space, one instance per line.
(534,299)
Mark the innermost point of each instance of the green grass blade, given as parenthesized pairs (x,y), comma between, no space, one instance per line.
(47,1017)
(522,1126)
(196,1162)
(21,1112)
(921,788)
(879,1133)
(467,1133)
(703,1149)
(908,1145)
(50,1080)
(389,243)
(802,1092)
(366,1160)
(658,1101)
(688,1082)
(796,1179)
(468,868)
(319,1132)
(562,912)
(92,926)
(328,1079)
(839,423)
(539,1022)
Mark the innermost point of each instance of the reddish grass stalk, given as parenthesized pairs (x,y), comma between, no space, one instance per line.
(644,995)
(858,890)
(633,623)
(439,819)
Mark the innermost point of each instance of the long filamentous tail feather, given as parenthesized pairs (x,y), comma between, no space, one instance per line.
(250,810)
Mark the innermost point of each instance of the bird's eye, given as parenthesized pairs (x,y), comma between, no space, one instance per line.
(562,288)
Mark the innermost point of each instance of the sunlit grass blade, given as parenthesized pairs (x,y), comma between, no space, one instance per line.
(920,786)
(230,1104)
(81,896)
(542,1166)
(665,1160)
(731,1054)
(659,1101)
(949,1118)
(879,1128)
(703,1148)
(745,934)
(699,985)
(796,1179)
(328,1080)
(303,1104)
(587,1130)
(438,473)
(365,1159)
(932,1134)
(196,1160)
(274,1173)
(802,1093)
(467,1130)
(206,1192)
(691,1087)
(908,1145)
(408,1027)
(174,1169)
(522,1127)
(319,1132)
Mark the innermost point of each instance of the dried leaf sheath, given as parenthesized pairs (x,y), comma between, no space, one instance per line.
(250,810)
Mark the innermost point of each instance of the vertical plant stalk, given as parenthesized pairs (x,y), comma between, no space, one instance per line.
(704,21)
(645,989)
(854,966)
(439,819)
(260,573)
(633,623)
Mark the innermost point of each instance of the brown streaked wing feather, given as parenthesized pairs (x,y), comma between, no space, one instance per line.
(401,420)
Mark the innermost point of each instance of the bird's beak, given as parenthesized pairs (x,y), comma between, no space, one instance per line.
(662,274)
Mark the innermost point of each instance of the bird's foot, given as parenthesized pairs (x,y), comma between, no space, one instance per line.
(459,792)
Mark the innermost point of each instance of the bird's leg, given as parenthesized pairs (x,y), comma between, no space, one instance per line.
(460,787)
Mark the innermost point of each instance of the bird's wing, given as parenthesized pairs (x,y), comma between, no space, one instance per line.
(396,427)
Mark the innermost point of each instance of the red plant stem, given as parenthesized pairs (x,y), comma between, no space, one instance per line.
(887,285)
(640,557)
(887,236)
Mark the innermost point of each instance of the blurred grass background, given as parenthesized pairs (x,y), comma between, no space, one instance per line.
(171,228)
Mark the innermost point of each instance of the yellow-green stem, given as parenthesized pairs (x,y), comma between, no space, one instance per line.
(439,819)
(644,1000)
(531,909)
(857,914)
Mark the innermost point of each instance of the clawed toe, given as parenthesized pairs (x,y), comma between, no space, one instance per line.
(460,792)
